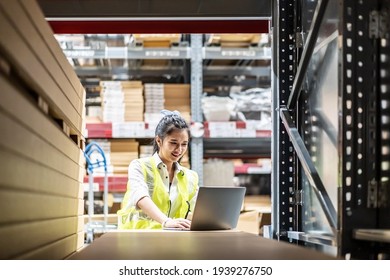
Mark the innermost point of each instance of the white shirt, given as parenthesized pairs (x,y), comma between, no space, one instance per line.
(139,188)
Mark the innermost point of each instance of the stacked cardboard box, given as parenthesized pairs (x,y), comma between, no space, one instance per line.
(157,40)
(118,154)
(113,108)
(235,40)
(122,101)
(178,97)
(122,153)
(133,100)
(154,102)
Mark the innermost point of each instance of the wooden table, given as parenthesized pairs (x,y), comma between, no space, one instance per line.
(191,245)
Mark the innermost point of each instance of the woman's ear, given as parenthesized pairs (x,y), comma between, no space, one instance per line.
(158,141)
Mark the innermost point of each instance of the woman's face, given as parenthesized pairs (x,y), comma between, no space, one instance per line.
(174,145)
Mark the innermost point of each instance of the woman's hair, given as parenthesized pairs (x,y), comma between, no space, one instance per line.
(170,122)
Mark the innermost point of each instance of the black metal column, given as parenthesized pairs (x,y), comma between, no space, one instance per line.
(384,86)
(361,128)
(285,155)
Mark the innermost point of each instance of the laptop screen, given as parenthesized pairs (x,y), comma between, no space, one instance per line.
(217,207)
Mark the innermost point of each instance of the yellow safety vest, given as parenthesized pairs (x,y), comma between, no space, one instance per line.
(132,218)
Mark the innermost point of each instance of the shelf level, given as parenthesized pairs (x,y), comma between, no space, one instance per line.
(144,130)
(118,183)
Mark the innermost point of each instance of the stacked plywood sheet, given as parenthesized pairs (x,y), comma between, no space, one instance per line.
(41,123)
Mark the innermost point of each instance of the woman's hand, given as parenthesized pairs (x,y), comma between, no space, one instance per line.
(177,223)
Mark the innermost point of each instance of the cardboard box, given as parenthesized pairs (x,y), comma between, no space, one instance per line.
(253,221)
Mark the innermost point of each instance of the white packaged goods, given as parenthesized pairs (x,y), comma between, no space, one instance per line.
(253,103)
(217,108)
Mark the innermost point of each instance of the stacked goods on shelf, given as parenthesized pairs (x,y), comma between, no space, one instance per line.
(178,97)
(234,40)
(98,130)
(133,100)
(254,104)
(129,130)
(113,109)
(236,129)
(123,105)
(122,153)
(154,102)
(238,42)
(217,108)
(118,153)
(41,119)
(122,101)
(157,40)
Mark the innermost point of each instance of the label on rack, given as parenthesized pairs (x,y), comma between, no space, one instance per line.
(168,53)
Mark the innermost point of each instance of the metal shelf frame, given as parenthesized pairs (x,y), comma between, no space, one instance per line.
(359,222)
(196,103)
(284,215)
(174,52)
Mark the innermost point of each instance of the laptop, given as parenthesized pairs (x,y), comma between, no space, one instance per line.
(216,208)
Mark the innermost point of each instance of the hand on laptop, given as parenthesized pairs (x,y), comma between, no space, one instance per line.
(177,223)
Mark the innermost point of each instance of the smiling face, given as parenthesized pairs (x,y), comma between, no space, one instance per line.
(173,146)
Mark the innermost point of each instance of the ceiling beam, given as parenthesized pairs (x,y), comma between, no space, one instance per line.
(157,16)
(163,26)
(156,8)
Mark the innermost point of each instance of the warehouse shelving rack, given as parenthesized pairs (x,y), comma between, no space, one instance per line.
(194,55)
(332,52)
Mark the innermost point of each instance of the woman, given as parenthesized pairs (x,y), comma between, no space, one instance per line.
(161,192)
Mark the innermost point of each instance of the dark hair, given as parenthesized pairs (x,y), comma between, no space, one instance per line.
(167,125)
